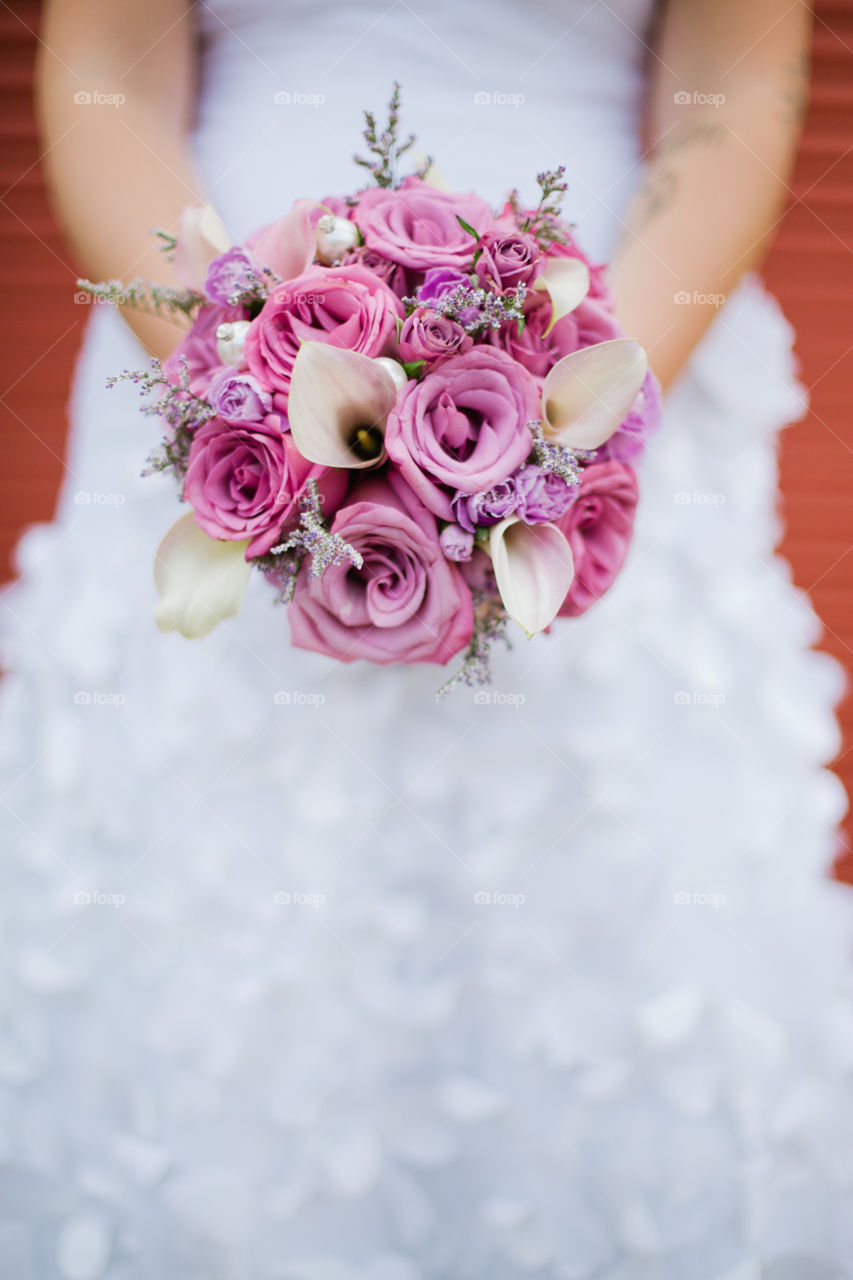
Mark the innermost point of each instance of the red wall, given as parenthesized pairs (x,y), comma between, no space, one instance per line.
(811,269)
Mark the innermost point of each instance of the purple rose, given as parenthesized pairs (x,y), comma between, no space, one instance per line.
(456,543)
(418,226)
(233,272)
(440,281)
(542,495)
(244,481)
(644,418)
(406,603)
(199,347)
(347,307)
(238,397)
(539,351)
(507,259)
(490,507)
(463,428)
(428,336)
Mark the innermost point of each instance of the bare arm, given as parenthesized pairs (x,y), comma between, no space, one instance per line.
(116,171)
(719,168)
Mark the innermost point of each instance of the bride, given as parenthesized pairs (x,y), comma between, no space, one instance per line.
(309,977)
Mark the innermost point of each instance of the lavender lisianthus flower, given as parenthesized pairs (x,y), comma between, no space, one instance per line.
(238,397)
(541,495)
(236,271)
(490,506)
(456,543)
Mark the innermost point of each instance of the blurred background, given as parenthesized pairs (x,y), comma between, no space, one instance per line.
(810,269)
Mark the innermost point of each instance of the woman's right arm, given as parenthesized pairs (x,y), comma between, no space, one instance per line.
(117,169)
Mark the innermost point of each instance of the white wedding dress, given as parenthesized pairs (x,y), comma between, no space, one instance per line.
(308,976)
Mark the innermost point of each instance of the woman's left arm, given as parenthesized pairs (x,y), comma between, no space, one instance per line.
(727,87)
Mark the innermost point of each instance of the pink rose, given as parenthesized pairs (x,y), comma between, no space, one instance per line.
(587,324)
(199,347)
(390,273)
(244,480)
(464,427)
(407,603)
(598,526)
(345,306)
(418,225)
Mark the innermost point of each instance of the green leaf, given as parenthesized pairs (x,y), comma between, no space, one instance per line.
(466,226)
(413,367)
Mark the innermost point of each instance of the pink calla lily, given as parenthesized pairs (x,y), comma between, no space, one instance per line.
(288,245)
(337,406)
(588,393)
(566,281)
(533,568)
(200,579)
(201,238)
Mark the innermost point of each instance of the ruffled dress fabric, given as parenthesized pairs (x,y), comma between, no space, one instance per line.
(311,977)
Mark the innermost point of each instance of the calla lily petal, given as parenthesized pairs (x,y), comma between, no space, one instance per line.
(588,394)
(288,245)
(336,397)
(533,568)
(201,238)
(566,280)
(432,176)
(200,579)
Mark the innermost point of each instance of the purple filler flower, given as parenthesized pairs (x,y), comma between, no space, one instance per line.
(238,397)
(488,507)
(236,271)
(542,496)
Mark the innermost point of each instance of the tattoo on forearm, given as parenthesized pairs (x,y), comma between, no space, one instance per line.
(795,88)
(661,186)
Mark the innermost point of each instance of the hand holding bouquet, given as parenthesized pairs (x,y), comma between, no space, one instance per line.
(415,416)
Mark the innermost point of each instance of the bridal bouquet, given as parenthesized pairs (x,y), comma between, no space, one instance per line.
(415,416)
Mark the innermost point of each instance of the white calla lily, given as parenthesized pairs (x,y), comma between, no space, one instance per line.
(337,406)
(201,238)
(534,568)
(200,579)
(432,175)
(588,394)
(566,281)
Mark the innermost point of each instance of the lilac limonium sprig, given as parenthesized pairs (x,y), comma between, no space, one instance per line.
(176,405)
(177,305)
(237,278)
(313,536)
(477,309)
(490,626)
